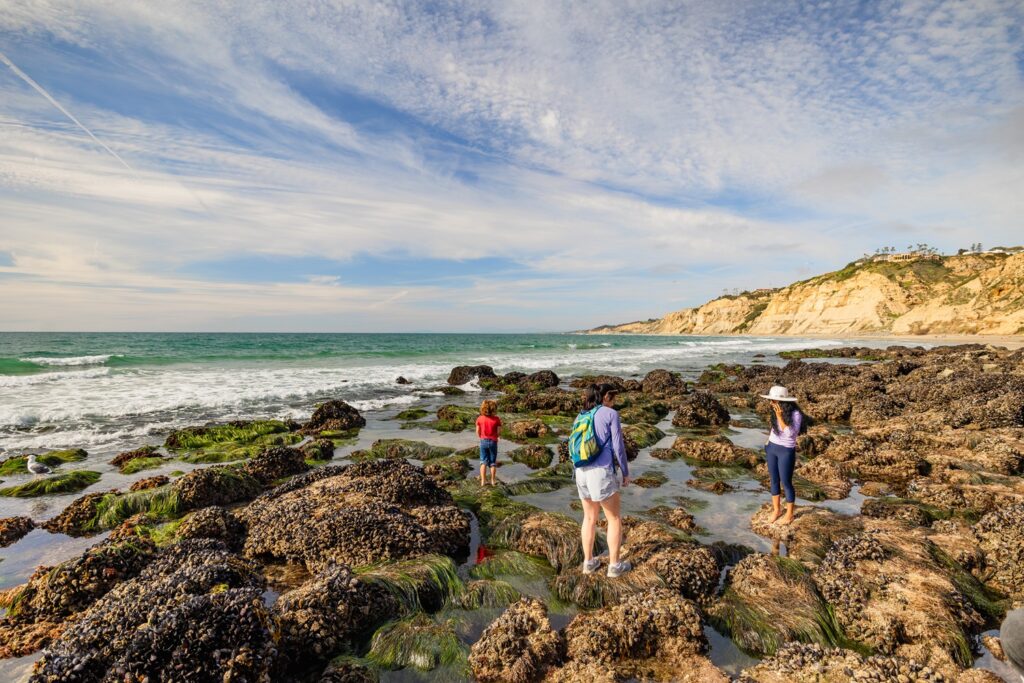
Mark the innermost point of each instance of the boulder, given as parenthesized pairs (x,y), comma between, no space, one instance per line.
(812,663)
(122,459)
(76,519)
(465,373)
(534,456)
(318,449)
(518,647)
(333,416)
(53,594)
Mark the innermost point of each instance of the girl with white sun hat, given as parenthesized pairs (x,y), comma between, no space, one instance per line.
(786,420)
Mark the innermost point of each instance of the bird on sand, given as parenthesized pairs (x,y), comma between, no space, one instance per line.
(37,467)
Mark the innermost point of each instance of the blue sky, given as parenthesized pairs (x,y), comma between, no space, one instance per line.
(484,166)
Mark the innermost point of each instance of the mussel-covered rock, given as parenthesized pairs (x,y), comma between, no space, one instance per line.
(1001,538)
(212,522)
(700,409)
(55,593)
(887,590)
(13,528)
(461,374)
(122,459)
(812,663)
(548,402)
(318,449)
(345,670)
(333,416)
(534,456)
(150,483)
(195,613)
(276,463)
(657,623)
(518,647)
(76,518)
(770,600)
(718,452)
(369,511)
(221,485)
(528,429)
(663,383)
(322,617)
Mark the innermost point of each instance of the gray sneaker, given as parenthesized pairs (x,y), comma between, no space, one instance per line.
(617,570)
(592,566)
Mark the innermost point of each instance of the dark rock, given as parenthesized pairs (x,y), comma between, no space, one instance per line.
(318,449)
(76,518)
(1001,537)
(213,522)
(402,380)
(464,373)
(333,416)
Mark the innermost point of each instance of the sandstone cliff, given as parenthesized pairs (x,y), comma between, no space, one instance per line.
(969,294)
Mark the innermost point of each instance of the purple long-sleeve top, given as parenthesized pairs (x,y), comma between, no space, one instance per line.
(787,438)
(609,434)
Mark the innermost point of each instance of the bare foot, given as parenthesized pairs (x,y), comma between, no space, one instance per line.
(775,515)
(785,521)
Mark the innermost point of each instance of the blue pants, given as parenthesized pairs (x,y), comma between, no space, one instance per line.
(781,461)
(488,452)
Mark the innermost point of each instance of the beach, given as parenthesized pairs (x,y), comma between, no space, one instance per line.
(911,454)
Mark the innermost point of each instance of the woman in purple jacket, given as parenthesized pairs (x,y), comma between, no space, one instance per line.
(780,449)
(597,484)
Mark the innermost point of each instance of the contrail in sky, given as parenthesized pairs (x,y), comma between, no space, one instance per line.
(39,89)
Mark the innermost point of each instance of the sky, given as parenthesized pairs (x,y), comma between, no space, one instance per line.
(300,165)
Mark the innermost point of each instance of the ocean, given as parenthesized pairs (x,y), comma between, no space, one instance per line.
(105,391)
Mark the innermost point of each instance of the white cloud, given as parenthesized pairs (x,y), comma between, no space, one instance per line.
(764,132)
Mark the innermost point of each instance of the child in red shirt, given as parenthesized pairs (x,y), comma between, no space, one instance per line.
(487,427)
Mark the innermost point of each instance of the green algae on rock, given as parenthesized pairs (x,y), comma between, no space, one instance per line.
(533,456)
(67,482)
(18,464)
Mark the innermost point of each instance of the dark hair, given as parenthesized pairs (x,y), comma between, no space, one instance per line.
(788,408)
(592,397)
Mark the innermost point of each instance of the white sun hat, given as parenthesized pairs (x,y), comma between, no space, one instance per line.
(778,393)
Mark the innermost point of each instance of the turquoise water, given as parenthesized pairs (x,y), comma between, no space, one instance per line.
(104,391)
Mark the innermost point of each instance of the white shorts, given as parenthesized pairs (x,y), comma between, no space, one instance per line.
(596,482)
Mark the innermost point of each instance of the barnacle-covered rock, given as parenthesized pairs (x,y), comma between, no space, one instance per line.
(318,449)
(719,452)
(150,483)
(461,374)
(663,383)
(76,518)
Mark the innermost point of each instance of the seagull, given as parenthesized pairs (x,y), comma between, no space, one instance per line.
(37,467)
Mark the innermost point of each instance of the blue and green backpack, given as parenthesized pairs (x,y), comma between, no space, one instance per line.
(583,445)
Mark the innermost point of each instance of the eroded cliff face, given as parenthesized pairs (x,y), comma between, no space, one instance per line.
(970,294)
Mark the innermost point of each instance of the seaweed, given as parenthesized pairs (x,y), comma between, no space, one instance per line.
(68,482)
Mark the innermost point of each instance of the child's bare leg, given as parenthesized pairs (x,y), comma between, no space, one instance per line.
(494,475)
(483,473)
